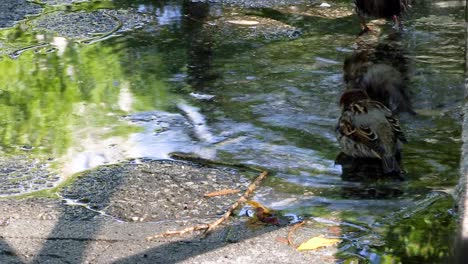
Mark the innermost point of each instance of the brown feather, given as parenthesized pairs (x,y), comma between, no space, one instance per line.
(363,135)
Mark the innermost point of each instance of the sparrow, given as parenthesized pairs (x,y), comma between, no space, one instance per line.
(368,129)
(380,9)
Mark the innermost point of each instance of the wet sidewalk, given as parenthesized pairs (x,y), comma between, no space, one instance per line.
(30,241)
(47,230)
(252,83)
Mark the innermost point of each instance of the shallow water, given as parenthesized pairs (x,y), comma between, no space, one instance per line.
(167,77)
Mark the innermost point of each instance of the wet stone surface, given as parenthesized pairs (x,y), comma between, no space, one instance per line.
(153,191)
(88,24)
(252,27)
(67,25)
(19,175)
(13,11)
(62,2)
(335,10)
(259,3)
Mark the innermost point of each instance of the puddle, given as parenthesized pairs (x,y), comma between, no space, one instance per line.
(255,86)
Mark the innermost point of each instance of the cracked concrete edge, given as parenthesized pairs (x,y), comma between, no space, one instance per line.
(462,187)
(461,248)
(461,244)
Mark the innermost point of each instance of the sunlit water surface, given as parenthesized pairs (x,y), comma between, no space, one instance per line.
(184,83)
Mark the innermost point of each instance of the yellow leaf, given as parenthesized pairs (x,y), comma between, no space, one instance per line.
(318,242)
(257,205)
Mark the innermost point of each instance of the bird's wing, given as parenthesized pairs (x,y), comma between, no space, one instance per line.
(392,120)
(362,134)
(396,128)
(360,108)
(381,107)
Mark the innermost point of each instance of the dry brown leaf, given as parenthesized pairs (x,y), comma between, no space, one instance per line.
(263,214)
(267,217)
(335,230)
(282,240)
(318,242)
(221,192)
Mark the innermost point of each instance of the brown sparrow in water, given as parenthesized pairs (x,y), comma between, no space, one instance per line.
(368,129)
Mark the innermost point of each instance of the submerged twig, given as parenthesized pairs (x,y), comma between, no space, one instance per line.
(194,158)
(210,227)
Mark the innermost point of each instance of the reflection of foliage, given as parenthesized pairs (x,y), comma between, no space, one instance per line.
(435,141)
(35,104)
(148,68)
(45,97)
(424,238)
(17,35)
(423,232)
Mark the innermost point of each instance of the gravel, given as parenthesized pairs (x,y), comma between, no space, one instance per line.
(153,191)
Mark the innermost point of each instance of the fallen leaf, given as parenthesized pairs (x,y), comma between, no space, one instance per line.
(221,192)
(318,242)
(266,217)
(243,22)
(335,230)
(282,240)
(264,214)
(257,205)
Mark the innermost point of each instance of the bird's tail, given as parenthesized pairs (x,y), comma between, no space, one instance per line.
(390,164)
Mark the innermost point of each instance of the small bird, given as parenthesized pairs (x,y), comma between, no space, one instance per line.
(368,129)
(380,9)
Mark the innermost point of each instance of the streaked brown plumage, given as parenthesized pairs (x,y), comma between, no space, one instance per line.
(368,129)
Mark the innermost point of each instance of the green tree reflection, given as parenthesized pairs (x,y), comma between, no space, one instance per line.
(45,96)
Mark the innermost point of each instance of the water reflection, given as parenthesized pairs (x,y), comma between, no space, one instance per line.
(200,44)
(382,70)
(181,84)
(167,15)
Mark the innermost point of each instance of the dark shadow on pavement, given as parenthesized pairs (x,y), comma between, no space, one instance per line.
(8,254)
(176,251)
(67,243)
